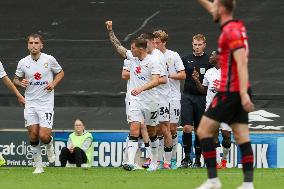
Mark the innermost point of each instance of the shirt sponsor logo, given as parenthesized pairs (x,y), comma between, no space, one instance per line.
(37,76)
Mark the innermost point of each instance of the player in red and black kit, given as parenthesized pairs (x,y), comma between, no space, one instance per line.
(232,102)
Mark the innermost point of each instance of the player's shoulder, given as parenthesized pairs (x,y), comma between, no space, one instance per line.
(47,56)
(173,53)
(25,59)
(233,27)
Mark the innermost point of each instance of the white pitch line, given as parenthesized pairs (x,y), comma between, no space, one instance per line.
(142,26)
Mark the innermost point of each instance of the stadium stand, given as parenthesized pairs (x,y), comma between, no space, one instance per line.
(75,34)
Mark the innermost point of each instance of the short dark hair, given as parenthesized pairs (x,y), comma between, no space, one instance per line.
(140,42)
(229,5)
(148,35)
(35,35)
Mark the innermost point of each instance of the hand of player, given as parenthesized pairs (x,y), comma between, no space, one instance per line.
(136,91)
(24,83)
(195,74)
(21,100)
(109,25)
(50,87)
(246,103)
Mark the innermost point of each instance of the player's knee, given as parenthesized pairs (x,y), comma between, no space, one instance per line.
(187,129)
(44,139)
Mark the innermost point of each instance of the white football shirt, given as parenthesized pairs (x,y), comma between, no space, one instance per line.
(126,66)
(2,71)
(141,73)
(163,90)
(175,65)
(212,81)
(39,74)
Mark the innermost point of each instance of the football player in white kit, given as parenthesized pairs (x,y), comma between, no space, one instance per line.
(210,85)
(176,74)
(39,74)
(125,75)
(151,129)
(6,80)
(163,92)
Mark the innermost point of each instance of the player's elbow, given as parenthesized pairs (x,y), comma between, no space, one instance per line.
(162,80)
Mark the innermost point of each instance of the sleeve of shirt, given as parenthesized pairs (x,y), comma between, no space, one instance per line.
(205,80)
(86,144)
(20,71)
(155,67)
(163,68)
(178,63)
(129,55)
(2,71)
(55,67)
(126,65)
(235,39)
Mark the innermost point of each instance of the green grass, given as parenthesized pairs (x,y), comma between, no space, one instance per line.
(57,178)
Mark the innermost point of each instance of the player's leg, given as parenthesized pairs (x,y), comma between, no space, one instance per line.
(161,145)
(168,142)
(32,124)
(198,111)
(46,116)
(173,128)
(164,124)
(241,135)
(146,140)
(135,118)
(187,123)
(174,119)
(226,143)
(205,132)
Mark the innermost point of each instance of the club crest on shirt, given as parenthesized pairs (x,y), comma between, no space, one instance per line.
(45,65)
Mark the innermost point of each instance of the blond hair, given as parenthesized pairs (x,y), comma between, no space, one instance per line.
(199,37)
(161,34)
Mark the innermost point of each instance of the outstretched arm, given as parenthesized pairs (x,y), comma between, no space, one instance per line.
(115,42)
(208,5)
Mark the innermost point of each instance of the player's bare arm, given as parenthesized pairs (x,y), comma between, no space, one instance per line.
(200,87)
(153,83)
(242,66)
(20,82)
(208,5)
(178,76)
(13,88)
(58,77)
(115,42)
(125,75)
(163,80)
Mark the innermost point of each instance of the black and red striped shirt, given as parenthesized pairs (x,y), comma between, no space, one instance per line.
(232,37)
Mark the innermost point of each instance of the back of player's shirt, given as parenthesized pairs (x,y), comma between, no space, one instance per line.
(2,71)
(163,90)
(39,74)
(212,81)
(141,73)
(175,65)
(233,37)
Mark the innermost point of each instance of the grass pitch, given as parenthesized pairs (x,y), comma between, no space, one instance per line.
(116,178)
